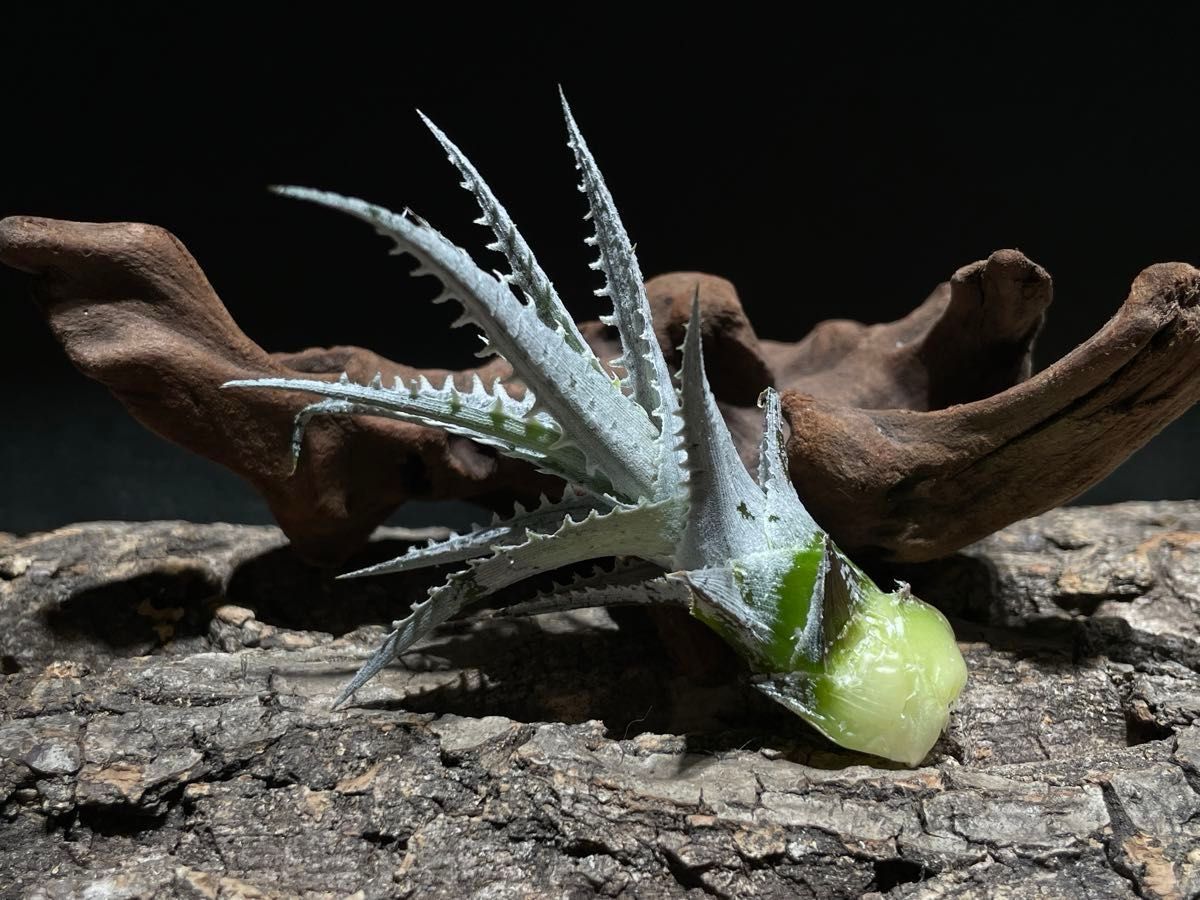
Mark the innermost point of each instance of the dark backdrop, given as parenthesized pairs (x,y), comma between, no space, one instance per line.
(833,169)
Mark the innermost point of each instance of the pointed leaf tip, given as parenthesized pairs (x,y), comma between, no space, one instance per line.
(725,513)
(647,377)
(691,339)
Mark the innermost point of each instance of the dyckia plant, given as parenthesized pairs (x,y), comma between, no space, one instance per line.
(654,479)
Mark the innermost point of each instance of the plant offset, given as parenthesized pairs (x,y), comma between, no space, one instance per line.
(654,479)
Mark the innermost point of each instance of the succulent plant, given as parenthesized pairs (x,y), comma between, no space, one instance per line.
(652,478)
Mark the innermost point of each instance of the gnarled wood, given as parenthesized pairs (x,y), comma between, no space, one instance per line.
(909,440)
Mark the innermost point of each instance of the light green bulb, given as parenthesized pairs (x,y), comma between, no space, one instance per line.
(888,677)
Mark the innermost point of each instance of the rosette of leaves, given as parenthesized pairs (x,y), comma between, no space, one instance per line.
(652,478)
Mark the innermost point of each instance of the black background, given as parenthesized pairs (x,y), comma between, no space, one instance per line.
(833,168)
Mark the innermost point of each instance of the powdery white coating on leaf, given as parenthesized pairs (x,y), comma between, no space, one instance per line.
(526,273)
(615,435)
(751,596)
(644,530)
(786,521)
(491,418)
(624,286)
(727,510)
(484,540)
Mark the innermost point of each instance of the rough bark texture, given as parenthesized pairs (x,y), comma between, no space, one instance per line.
(165,730)
(909,439)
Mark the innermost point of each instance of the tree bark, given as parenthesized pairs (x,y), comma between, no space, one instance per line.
(165,730)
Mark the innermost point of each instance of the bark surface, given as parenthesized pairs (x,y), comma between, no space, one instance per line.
(165,731)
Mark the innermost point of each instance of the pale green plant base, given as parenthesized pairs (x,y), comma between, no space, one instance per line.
(888,682)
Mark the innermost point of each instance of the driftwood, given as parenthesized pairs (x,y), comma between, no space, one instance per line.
(909,440)
(165,730)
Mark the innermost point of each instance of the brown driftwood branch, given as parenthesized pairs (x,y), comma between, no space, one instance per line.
(166,731)
(909,440)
